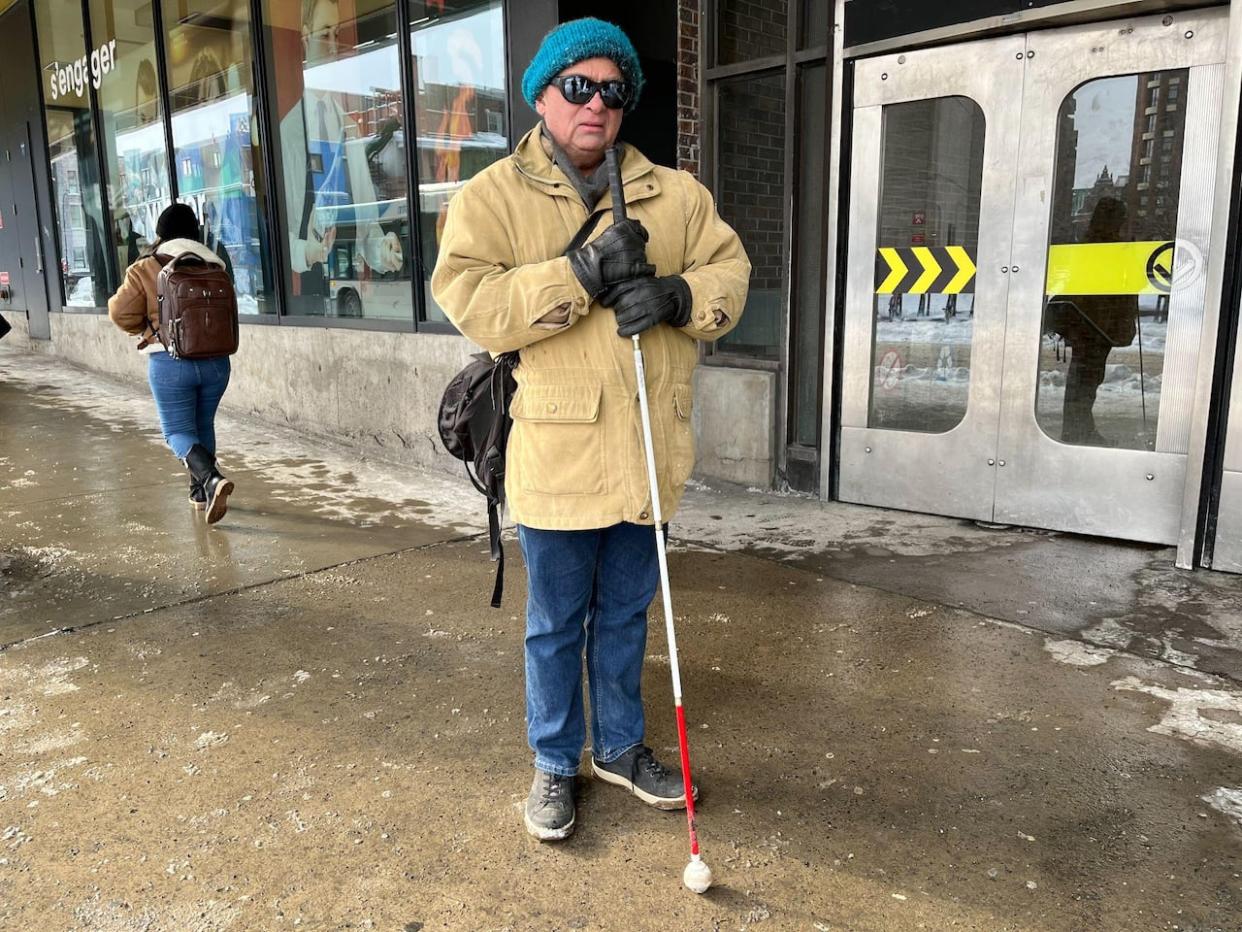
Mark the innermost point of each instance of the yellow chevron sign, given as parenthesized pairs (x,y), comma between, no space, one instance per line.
(924,270)
(1111,268)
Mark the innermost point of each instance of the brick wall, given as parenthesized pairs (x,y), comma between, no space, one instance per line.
(689,114)
(750,170)
(751,29)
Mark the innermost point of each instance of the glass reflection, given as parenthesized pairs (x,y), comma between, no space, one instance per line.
(132,126)
(750,183)
(342,155)
(459,106)
(928,236)
(1112,251)
(217,161)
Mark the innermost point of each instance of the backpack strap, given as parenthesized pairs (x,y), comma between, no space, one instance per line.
(155,329)
(584,231)
(498,550)
(504,364)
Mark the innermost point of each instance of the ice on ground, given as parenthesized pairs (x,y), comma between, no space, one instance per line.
(1077,654)
(1184,718)
(335,480)
(1226,800)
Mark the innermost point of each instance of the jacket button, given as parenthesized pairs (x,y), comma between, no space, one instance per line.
(643,515)
(551,407)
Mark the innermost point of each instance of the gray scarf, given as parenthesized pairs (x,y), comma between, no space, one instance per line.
(591,187)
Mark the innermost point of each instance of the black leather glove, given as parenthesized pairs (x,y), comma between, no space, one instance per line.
(617,254)
(641,303)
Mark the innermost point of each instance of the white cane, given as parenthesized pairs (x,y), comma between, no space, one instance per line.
(697,876)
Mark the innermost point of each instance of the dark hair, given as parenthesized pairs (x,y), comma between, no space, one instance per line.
(178,222)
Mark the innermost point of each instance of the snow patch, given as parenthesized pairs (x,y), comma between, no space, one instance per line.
(331,478)
(210,739)
(1077,654)
(1183,719)
(1227,801)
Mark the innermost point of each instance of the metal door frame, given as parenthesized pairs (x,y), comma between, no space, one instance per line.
(25,136)
(878,466)
(1042,482)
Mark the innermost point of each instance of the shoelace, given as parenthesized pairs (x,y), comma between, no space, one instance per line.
(552,791)
(646,760)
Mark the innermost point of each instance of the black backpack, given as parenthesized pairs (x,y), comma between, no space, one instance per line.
(474,425)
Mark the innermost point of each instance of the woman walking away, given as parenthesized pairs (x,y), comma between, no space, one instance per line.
(187,391)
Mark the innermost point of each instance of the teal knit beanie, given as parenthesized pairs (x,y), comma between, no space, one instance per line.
(578,40)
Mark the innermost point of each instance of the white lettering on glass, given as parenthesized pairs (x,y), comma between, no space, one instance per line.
(92,67)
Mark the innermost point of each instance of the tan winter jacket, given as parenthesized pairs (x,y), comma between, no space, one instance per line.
(575,456)
(135,307)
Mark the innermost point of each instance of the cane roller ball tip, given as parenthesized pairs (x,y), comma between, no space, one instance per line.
(697,877)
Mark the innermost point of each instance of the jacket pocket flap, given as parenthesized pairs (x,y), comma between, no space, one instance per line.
(565,404)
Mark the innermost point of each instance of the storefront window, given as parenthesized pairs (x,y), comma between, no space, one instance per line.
(77,200)
(749,29)
(808,312)
(131,125)
(750,179)
(459,81)
(342,156)
(217,156)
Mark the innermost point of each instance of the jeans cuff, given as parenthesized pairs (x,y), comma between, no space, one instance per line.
(548,767)
(610,758)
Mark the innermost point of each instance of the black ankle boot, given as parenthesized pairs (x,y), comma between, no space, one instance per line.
(216,488)
(198,498)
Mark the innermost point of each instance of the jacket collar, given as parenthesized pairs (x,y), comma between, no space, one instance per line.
(535,165)
(179,247)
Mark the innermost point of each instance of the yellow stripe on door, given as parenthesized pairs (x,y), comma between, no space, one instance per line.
(965,269)
(931,269)
(897,270)
(1110,268)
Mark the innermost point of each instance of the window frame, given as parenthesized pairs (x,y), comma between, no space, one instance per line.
(796,57)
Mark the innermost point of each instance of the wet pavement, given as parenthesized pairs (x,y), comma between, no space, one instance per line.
(308,717)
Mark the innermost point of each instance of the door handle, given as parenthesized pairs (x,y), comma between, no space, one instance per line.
(38,255)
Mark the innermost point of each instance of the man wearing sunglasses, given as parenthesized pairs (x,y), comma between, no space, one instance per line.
(576,483)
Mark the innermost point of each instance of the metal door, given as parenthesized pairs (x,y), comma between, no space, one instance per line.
(1107,277)
(1054,389)
(935,141)
(23,266)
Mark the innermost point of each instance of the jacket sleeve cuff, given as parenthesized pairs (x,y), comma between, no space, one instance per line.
(709,310)
(571,300)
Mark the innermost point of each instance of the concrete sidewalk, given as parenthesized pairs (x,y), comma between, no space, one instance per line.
(308,717)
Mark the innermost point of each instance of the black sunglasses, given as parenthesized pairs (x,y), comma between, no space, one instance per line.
(579,90)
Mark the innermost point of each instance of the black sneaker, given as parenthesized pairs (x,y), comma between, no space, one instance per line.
(639,772)
(550,807)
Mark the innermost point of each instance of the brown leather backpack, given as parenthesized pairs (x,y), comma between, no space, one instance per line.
(198,308)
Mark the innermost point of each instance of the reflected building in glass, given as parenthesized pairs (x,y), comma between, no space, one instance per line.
(1158,139)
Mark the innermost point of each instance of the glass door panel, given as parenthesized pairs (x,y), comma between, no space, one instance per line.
(930,189)
(1111,259)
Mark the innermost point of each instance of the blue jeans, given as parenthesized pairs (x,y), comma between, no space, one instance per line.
(587,589)
(187,393)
